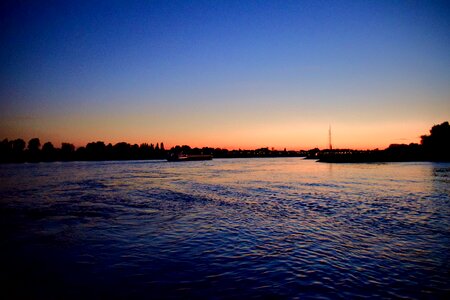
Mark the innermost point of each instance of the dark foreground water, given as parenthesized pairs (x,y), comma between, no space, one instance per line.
(242,228)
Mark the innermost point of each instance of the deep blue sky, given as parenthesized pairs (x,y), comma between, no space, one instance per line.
(229,73)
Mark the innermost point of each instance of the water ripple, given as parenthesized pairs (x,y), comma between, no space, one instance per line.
(244,228)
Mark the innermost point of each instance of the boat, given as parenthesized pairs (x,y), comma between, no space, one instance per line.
(188,157)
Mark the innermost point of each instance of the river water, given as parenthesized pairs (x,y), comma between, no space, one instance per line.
(226,228)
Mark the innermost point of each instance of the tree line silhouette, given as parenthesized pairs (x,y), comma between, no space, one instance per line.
(16,151)
(433,147)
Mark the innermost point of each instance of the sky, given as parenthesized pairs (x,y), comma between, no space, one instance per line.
(229,74)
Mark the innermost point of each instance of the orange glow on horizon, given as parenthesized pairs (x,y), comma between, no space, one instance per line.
(292,136)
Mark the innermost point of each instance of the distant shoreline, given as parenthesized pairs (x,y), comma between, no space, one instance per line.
(326,161)
(433,147)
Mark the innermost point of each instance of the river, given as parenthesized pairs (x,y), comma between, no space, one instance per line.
(227,228)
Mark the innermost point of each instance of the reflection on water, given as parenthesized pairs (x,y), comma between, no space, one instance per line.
(225,228)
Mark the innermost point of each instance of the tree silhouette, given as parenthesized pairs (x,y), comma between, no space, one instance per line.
(96,151)
(48,147)
(48,152)
(18,147)
(34,146)
(437,144)
(67,151)
(121,151)
(5,150)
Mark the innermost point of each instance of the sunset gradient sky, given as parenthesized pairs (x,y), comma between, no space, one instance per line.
(233,74)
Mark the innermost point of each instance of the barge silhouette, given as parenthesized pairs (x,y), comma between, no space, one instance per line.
(188,157)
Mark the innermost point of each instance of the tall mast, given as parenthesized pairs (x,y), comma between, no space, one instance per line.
(329,138)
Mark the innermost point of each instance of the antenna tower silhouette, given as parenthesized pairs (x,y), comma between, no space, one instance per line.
(329,138)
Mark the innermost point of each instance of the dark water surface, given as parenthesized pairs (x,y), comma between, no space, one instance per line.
(240,228)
